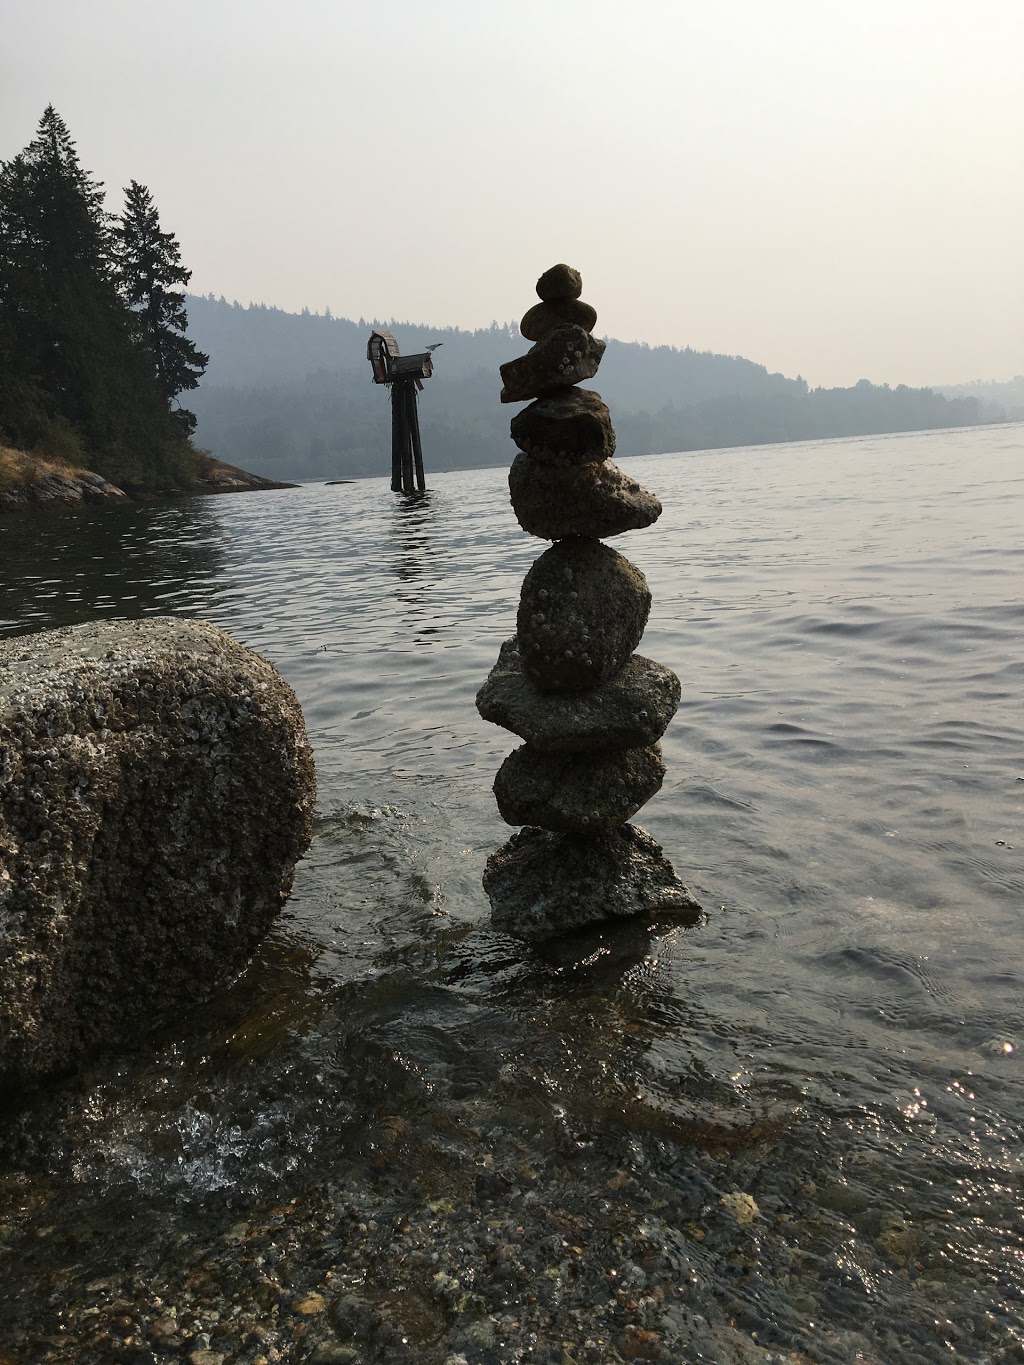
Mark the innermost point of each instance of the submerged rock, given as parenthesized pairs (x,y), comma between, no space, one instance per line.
(564,356)
(576,792)
(156,791)
(578,500)
(541,884)
(582,613)
(629,711)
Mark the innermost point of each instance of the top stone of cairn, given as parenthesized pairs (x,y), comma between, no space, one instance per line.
(560,282)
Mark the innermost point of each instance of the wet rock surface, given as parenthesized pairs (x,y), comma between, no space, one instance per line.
(493,1221)
(474,1148)
(582,612)
(543,883)
(553,502)
(566,355)
(630,710)
(156,791)
(576,793)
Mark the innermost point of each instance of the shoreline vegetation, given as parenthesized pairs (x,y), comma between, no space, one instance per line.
(95,351)
(93,346)
(32,482)
(288,395)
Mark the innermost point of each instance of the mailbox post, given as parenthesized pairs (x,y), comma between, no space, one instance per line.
(404,375)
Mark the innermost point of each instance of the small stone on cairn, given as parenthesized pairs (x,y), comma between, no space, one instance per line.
(591,711)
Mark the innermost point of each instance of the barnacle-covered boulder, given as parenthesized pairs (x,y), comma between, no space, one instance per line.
(156,791)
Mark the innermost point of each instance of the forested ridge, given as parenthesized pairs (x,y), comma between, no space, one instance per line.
(290,395)
(96,348)
(997,399)
(93,345)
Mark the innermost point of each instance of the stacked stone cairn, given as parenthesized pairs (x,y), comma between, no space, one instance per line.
(569,683)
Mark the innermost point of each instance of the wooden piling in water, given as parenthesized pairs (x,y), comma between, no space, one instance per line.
(396,444)
(417,448)
(404,375)
(408,416)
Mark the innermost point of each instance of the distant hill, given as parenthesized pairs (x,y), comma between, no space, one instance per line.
(289,395)
(996,398)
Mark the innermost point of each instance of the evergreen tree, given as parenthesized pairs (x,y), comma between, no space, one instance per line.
(149,270)
(55,293)
(74,381)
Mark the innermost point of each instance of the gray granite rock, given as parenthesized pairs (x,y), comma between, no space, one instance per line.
(599,500)
(560,282)
(564,356)
(30,481)
(542,884)
(575,793)
(569,426)
(582,613)
(630,711)
(545,317)
(156,790)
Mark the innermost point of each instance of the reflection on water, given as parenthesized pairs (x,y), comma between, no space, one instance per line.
(79,564)
(844,794)
(414,520)
(415,545)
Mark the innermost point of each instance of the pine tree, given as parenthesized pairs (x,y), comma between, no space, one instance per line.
(148,270)
(55,290)
(74,380)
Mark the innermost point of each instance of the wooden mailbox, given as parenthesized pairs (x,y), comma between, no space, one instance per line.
(404,375)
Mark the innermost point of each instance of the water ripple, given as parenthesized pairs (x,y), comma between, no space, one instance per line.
(845,791)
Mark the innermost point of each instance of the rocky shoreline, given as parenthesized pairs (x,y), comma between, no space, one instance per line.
(476,1228)
(228,478)
(30,482)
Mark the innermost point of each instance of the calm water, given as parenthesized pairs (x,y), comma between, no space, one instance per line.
(845,791)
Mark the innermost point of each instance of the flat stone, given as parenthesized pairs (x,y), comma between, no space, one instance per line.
(542,884)
(598,500)
(569,426)
(576,793)
(629,711)
(156,791)
(560,282)
(564,356)
(581,615)
(545,317)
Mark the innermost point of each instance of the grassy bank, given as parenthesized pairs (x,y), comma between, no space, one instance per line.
(29,480)
(18,467)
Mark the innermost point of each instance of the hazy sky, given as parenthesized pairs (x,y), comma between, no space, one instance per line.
(831,187)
